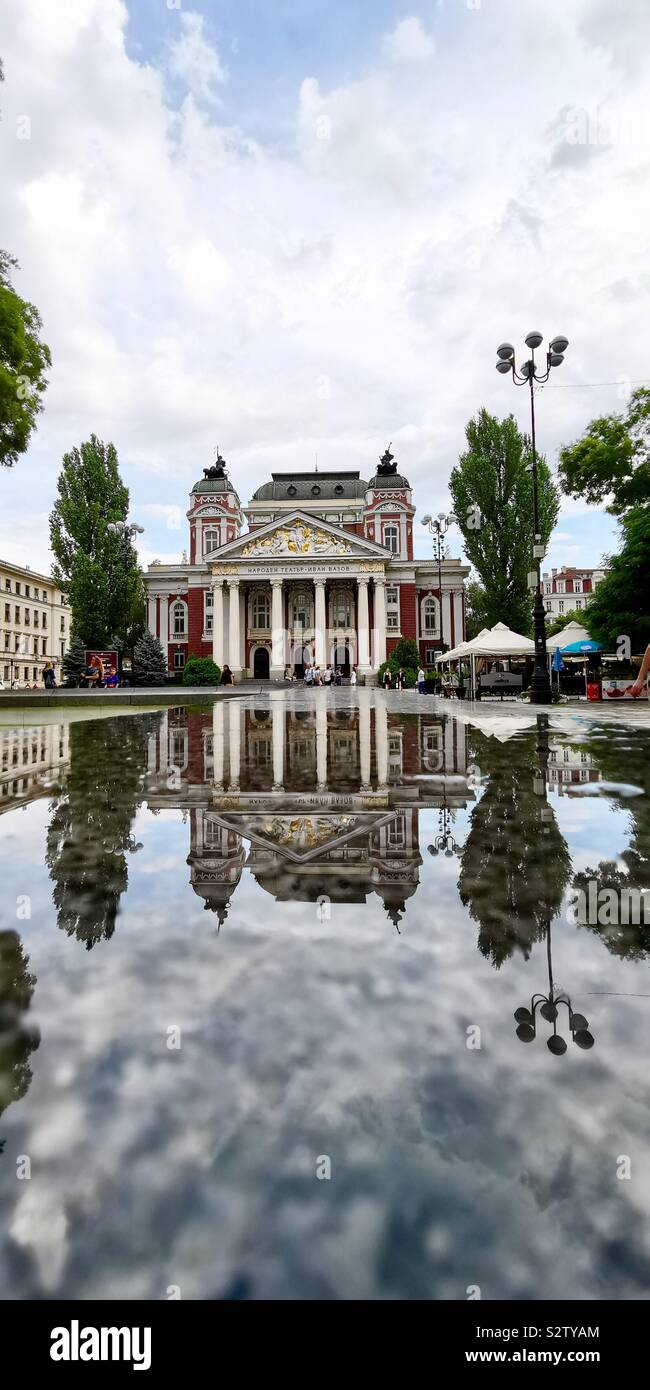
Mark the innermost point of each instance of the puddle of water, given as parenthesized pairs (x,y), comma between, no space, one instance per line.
(259,970)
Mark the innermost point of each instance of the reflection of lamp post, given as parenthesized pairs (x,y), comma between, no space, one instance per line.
(540,689)
(547,1004)
(439,526)
(444,840)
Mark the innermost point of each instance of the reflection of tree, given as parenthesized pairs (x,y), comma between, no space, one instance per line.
(515,864)
(17,1039)
(625,761)
(90,831)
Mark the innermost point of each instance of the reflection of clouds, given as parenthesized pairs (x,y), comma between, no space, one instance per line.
(302,1038)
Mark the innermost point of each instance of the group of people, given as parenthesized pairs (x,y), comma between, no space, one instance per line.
(328,675)
(397,680)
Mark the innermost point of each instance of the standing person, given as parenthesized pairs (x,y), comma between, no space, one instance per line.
(327,676)
(227,677)
(421,679)
(338,678)
(353,676)
(641,682)
(399,679)
(49,678)
(387,681)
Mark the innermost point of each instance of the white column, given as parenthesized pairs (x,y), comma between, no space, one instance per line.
(277,636)
(278,745)
(234,743)
(218,747)
(234,659)
(217,622)
(381,741)
(379,654)
(164,621)
(151,614)
(321,740)
(363,626)
(242,630)
(319,625)
(364,738)
(459,635)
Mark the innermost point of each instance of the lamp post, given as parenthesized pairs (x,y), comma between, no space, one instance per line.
(439,526)
(540,690)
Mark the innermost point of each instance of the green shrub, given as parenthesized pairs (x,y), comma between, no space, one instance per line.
(201,670)
(406,654)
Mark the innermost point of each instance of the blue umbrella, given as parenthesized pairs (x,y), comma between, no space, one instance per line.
(558,664)
(576,648)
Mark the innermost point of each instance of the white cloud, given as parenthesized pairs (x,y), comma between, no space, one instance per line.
(409,42)
(198,286)
(194,60)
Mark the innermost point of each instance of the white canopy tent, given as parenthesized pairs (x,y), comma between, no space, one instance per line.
(573,632)
(497,641)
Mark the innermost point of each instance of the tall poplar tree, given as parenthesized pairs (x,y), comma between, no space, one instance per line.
(97,568)
(492,491)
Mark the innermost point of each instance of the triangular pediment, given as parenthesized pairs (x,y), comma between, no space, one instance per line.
(299,535)
(304,835)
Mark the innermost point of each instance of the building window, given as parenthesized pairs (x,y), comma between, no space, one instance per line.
(44,623)
(578,604)
(18,591)
(261,611)
(391,538)
(8,585)
(208,610)
(62,624)
(577,586)
(179,661)
(179,613)
(27,591)
(392,608)
(44,646)
(36,617)
(7,613)
(27,617)
(300,610)
(560,586)
(560,606)
(62,649)
(341,609)
(429,656)
(547,589)
(548,606)
(7,641)
(429,611)
(17,615)
(211,539)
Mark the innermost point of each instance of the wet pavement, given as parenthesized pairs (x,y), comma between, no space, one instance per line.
(259,971)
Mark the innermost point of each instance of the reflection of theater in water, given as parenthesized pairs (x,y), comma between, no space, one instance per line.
(328,799)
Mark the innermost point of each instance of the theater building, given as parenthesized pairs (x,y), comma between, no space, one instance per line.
(317,569)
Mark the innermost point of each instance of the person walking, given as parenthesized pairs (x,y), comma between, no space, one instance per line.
(227,677)
(421,681)
(49,678)
(327,676)
(387,680)
(400,679)
(338,678)
(353,676)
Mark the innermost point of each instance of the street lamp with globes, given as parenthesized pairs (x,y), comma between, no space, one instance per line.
(439,526)
(528,374)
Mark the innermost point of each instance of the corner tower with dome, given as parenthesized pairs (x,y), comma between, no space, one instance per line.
(324,573)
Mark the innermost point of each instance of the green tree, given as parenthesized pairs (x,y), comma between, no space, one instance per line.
(149,664)
(97,567)
(24,359)
(619,605)
(476,612)
(612,459)
(17,1038)
(201,670)
(74,660)
(492,492)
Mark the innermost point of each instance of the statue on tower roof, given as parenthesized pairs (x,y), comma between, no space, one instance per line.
(387,462)
(218,468)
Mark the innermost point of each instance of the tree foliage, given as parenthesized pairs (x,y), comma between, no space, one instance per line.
(573,616)
(96,567)
(492,492)
(24,359)
(18,1039)
(149,662)
(74,661)
(619,605)
(612,459)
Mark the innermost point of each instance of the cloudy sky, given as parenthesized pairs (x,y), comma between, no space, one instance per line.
(300,229)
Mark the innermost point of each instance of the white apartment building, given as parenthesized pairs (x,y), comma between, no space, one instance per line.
(568,589)
(34,624)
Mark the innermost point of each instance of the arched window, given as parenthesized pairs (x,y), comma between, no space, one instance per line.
(429,610)
(342,608)
(211,539)
(179,617)
(300,609)
(260,611)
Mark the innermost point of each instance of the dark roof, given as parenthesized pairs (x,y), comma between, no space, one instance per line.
(388,480)
(305,486)
(213,485)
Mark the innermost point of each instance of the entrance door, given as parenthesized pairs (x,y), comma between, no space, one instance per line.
(261,664)
(342,658)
